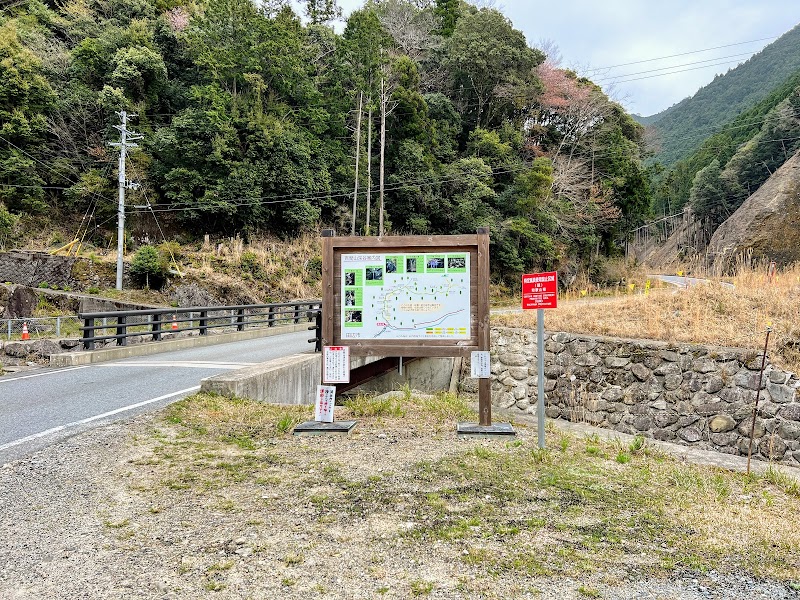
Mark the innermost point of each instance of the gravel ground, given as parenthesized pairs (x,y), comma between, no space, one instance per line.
(87,518)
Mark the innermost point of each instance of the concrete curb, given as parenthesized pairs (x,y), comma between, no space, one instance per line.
(71,359)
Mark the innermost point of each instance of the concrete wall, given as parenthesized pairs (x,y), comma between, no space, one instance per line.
(428,375)
(294,379)
(288,380)
(694,395)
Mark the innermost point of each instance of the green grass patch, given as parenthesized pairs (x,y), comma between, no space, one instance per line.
(506,509)
(368,406)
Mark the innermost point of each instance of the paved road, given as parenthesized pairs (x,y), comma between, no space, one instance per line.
(687,281)
(41,406)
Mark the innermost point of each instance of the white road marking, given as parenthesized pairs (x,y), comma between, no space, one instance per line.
(188,364)
(95,418)
(6,380)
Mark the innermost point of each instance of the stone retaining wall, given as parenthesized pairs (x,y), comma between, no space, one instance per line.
(36,268)
(694,395)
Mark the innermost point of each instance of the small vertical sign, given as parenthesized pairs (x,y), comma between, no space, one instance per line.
(480,365)
(323,407)
(336,364)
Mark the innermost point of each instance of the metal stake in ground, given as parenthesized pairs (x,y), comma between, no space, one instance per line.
(758,394)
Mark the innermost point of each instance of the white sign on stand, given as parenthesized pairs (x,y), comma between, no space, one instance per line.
(336,364)
(480,365)
(323,407)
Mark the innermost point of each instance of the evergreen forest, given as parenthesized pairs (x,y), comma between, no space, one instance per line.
(411,117)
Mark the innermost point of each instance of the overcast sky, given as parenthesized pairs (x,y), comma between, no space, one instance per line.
(593,34)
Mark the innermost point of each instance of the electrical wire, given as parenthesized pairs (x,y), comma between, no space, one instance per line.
(637,62)
(689,64)
(268,200)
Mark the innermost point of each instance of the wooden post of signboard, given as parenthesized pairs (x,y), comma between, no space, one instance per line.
(484,329)
(327,287)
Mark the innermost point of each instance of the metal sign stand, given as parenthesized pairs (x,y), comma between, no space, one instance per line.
(540,291)
(540,375)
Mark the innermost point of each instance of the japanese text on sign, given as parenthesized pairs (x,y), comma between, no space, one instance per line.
(323,407)
(336,364)
(480,365)
(540,290)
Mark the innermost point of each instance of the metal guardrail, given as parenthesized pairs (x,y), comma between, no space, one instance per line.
(41,327)
(160,323)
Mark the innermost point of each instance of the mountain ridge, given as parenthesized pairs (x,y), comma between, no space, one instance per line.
(720,101)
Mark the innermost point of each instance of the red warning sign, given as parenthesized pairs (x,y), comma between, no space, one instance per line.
(540,290)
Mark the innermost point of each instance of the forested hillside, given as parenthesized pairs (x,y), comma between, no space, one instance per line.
(733,163)
(683,127)
(251,125)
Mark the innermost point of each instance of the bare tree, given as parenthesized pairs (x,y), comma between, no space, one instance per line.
(551,50)
(412,29)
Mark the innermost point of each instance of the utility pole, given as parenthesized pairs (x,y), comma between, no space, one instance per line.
(125,142)
(383,147)
(369,165)
(358,154)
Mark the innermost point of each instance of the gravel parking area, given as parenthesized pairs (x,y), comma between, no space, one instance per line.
(163,507)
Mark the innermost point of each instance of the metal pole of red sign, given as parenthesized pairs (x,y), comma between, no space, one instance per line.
(540,291)
(540,378)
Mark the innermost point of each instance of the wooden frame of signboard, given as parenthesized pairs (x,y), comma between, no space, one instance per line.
(476,245)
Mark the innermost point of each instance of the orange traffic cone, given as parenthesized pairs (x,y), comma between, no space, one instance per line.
(25,334)
(174,323)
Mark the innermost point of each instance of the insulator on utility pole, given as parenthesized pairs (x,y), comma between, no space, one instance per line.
(125,141)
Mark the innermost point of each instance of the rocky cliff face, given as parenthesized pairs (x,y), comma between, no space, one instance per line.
(768,223)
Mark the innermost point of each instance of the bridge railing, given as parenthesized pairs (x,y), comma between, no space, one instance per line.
(164,323)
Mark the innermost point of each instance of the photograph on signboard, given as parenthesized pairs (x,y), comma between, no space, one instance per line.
(434,264)
(352,318)
(406,296)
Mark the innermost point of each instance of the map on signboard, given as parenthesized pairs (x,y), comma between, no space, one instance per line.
(405,296)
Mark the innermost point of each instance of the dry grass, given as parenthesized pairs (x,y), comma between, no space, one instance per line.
(400,498)
(702,314)
(235,272)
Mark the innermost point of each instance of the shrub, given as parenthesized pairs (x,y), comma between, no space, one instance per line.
(7,222)
(250,262)
(148,266)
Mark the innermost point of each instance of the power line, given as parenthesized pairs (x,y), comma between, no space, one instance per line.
(697,62)
(346,193)
(637,62)
(261,201)
(729,62)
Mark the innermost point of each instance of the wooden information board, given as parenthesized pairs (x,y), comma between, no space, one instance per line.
(408,296)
